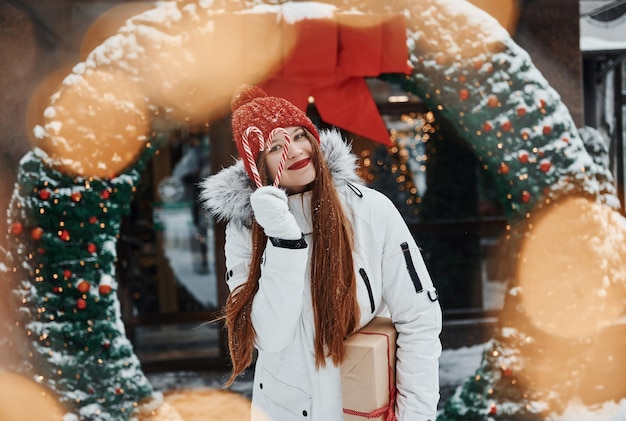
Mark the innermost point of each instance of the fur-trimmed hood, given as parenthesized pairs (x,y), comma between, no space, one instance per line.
(226,195)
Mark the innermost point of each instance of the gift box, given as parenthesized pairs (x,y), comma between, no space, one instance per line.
(368,372)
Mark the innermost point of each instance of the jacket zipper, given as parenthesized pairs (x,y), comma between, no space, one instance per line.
(366,280)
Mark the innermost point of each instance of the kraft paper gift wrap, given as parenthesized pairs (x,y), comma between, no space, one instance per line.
(366,370)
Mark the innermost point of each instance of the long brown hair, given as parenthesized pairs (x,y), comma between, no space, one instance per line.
(333,283)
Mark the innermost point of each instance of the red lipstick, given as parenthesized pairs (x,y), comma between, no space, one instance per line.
(300,164)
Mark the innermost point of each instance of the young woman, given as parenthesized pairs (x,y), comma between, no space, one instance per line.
(313,260)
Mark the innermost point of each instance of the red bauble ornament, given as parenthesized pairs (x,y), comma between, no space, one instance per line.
(493,410)
(44,194)
(464,94)
(478,64)
(522,156)
(41,250)
(57,290)
(106,345)
(119,391)
(36,233)
(81,304)
(547,130)
(507,372)
(64,235)
(545,165)
(76,197)
(93,220)
(462,78)
(105,194)
(492,101)
(504,168)
(92,248)
(487,127)
(91,391)
(67,273)
(105,289)
(507,126)
(525,197)
(542,103)
(17,228)
(521,111)
(83,287)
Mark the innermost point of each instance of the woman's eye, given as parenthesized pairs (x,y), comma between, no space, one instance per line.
(299,136)
(275,148)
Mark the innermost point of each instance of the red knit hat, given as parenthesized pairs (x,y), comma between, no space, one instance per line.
(252,107)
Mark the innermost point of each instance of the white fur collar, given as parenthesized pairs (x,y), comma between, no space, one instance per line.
(226,195)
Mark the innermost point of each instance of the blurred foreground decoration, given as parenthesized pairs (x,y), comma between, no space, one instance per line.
(181,61)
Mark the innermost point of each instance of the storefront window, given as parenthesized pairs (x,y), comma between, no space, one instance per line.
(170,277)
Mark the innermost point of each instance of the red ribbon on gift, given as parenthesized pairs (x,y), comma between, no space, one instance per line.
(389,410)
(329,61)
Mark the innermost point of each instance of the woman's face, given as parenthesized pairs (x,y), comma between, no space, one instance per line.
(299,171)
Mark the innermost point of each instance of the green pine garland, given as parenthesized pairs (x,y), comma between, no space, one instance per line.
(62,267)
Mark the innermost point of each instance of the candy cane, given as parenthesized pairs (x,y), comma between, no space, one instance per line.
(283,158)
(249,156)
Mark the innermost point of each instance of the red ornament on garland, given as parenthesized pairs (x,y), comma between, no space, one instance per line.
(17,228)
(36,233)
(105,194)
(67,273)
(504,168)
(81,304)
(93,220)
(507,372)
(525,196)
(44,194)
(542,103)
(492,102)
(521,111)
(545,165)
(507,126)
(64,235)
(105,289)
(106,345)
(487,127)
(547,130)
(76,197)
(464,94)
(493,410)
(57,289)
(83,287)
(522,156)
(91,248)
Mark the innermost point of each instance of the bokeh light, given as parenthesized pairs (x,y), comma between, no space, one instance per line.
(96,124)
(570,268)
(23,399)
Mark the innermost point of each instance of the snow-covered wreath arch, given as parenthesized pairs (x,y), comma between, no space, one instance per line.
(95,137)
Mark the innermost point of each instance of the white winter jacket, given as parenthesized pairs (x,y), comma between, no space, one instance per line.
(392,280)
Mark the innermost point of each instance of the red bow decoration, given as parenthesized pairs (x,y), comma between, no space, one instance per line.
(328,59)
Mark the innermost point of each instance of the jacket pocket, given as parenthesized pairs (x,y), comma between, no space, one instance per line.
(284,401)
(368,285)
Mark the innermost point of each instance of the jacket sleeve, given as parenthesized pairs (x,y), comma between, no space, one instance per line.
(277,305)
(413,303)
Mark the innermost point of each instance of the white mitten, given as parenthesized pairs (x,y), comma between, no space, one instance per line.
(271,211)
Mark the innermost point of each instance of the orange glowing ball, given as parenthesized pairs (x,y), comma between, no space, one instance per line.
(24,399)
(192,69)
(96,125)
(571,268)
